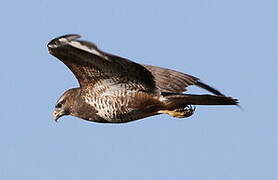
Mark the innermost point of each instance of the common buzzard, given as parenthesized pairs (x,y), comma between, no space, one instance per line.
(114,89)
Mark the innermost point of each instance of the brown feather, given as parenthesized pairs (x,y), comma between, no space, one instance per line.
(168,80)
(90,67)
(180,101)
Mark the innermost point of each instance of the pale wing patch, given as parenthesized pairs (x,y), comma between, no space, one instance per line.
(112,90)
(103,84)
(55,43)
(71,40)
(92,50)
(63,40)
(108,87)
(116,90)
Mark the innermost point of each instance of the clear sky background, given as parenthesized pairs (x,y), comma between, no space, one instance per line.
(231,45)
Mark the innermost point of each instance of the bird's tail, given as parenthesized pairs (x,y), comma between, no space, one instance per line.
(175,100)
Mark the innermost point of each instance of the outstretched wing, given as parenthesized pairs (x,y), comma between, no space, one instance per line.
(170,81)
(91,65)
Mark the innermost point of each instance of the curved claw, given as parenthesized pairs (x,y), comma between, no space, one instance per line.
(189,110)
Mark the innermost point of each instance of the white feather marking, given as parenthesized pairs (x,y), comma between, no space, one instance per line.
(108,87)
(78,45)
(113,90)
(161,98)
(63,40)
(52,45)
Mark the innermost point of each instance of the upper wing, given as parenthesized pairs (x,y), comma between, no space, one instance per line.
(171,81)
(91,65)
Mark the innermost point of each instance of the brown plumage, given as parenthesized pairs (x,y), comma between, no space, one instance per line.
(116,90)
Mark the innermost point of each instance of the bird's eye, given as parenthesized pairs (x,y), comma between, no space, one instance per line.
(58,105)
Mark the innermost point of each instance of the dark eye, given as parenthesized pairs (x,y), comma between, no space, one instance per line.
(59,105)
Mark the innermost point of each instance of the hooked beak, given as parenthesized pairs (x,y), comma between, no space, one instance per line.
(57,113)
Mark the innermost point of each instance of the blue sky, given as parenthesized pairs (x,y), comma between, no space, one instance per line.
(231,45)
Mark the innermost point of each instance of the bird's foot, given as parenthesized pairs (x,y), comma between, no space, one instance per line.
(180,113)
(185,112)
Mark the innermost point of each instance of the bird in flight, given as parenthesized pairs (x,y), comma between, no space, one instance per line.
(114,89)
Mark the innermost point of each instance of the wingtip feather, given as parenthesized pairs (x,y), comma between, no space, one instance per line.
(209,88)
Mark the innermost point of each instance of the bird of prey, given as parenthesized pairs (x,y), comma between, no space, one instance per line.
(114,89)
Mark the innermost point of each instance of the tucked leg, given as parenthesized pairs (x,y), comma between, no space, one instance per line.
(180,113)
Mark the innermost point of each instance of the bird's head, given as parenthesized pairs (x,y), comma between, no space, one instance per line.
(65,104)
